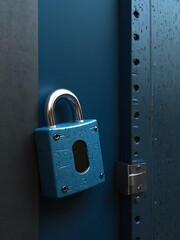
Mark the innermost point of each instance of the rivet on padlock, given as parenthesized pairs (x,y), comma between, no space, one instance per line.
(68,152)
(56,136)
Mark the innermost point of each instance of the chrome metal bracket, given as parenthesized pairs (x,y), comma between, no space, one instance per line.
(131,179)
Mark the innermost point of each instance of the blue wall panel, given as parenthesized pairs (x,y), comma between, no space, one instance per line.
(165,65)
(78,50)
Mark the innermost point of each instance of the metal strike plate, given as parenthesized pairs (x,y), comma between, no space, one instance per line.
(131,179)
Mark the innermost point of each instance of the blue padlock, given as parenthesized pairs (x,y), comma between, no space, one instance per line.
(69,154)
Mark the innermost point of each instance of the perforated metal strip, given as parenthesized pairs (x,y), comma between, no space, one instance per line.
(141,110)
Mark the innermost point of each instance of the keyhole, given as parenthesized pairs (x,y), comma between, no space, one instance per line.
(80,156)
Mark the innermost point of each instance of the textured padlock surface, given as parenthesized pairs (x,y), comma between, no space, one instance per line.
(56,159)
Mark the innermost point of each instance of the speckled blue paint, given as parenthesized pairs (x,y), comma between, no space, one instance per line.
(56,159)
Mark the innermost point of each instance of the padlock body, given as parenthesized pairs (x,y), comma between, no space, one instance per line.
(59,154)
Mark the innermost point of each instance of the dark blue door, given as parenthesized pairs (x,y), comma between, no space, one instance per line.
(121,58)
(78,50)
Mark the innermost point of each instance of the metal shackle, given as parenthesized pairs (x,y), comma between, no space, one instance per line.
(51,102)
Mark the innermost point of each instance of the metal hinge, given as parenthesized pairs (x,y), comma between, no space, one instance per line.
(131,179)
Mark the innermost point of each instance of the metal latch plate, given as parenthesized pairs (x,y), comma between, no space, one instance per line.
(131,179)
